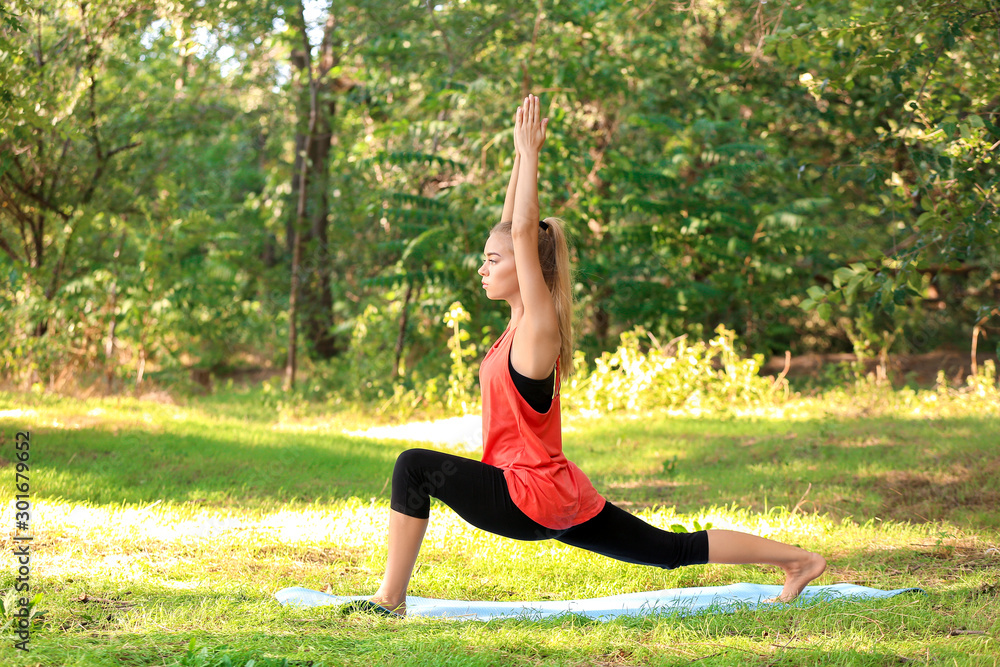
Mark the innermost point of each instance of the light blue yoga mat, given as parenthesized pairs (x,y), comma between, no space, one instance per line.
(673,601)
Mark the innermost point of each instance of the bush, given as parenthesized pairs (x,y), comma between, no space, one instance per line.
(703,377)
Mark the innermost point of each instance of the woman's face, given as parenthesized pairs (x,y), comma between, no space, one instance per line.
(498,272)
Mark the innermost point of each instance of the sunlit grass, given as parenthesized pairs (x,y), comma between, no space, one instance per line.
(78,540)
(157,523)
(188,571)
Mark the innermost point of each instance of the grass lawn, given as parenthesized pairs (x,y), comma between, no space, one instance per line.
(162,532)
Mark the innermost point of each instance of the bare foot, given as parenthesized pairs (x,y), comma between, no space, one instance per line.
(399,608)
(798,575)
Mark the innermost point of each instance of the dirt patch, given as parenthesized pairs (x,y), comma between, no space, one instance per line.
(332,555)
(158,396)
(921,368)
(933,496)
(643,493)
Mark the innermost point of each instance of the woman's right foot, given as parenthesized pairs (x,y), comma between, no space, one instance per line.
(799,574)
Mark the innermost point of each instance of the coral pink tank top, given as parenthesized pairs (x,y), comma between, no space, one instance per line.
(527,446)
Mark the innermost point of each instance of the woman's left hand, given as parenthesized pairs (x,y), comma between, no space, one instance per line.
(529,126)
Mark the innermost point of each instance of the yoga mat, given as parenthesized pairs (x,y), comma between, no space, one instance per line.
(672,601)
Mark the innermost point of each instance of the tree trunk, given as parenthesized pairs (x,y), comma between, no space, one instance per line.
(401,338)
(317,298)
(300,211)
(109,345)
(314,298)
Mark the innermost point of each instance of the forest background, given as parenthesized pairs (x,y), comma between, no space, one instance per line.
(182,181)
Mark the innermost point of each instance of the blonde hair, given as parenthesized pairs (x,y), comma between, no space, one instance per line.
(553,255)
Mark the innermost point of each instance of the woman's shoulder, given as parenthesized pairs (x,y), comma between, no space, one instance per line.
(534,353)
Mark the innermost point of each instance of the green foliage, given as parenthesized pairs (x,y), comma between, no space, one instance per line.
(696,526)
(11,53)
(203,656)
(859,393)
(461,393)
(923,155)
(818,177)
(982,385)
(10,605)
(697,378)
(364,373)
(137,233)
(368,360)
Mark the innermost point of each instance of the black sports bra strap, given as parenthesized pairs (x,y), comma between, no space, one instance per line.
(557,385)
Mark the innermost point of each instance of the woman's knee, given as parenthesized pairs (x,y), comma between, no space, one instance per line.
(420,474)
(409,495)
(430,467)
(411,458)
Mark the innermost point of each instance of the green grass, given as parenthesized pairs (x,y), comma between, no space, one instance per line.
(163,531)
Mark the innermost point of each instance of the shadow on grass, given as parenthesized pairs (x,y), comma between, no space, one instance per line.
(913,470)
(878,468)
(254,468)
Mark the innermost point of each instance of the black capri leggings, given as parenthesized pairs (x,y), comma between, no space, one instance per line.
(478,493)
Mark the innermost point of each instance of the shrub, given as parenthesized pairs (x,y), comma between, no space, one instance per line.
(690,378)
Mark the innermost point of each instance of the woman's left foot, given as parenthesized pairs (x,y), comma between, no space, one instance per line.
(371,607)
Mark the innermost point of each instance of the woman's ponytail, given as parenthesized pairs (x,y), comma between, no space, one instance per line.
(562,290)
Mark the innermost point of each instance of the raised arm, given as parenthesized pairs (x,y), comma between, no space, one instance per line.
(536,343)
(508,201)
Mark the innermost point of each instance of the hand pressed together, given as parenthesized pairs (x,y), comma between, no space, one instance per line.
(529,127)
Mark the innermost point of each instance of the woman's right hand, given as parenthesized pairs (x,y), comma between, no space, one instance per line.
(529,127)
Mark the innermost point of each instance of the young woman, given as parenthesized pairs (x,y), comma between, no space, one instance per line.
(525,488)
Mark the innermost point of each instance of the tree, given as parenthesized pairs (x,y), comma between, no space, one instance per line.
(108,174)
(915,88)
(717,163)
